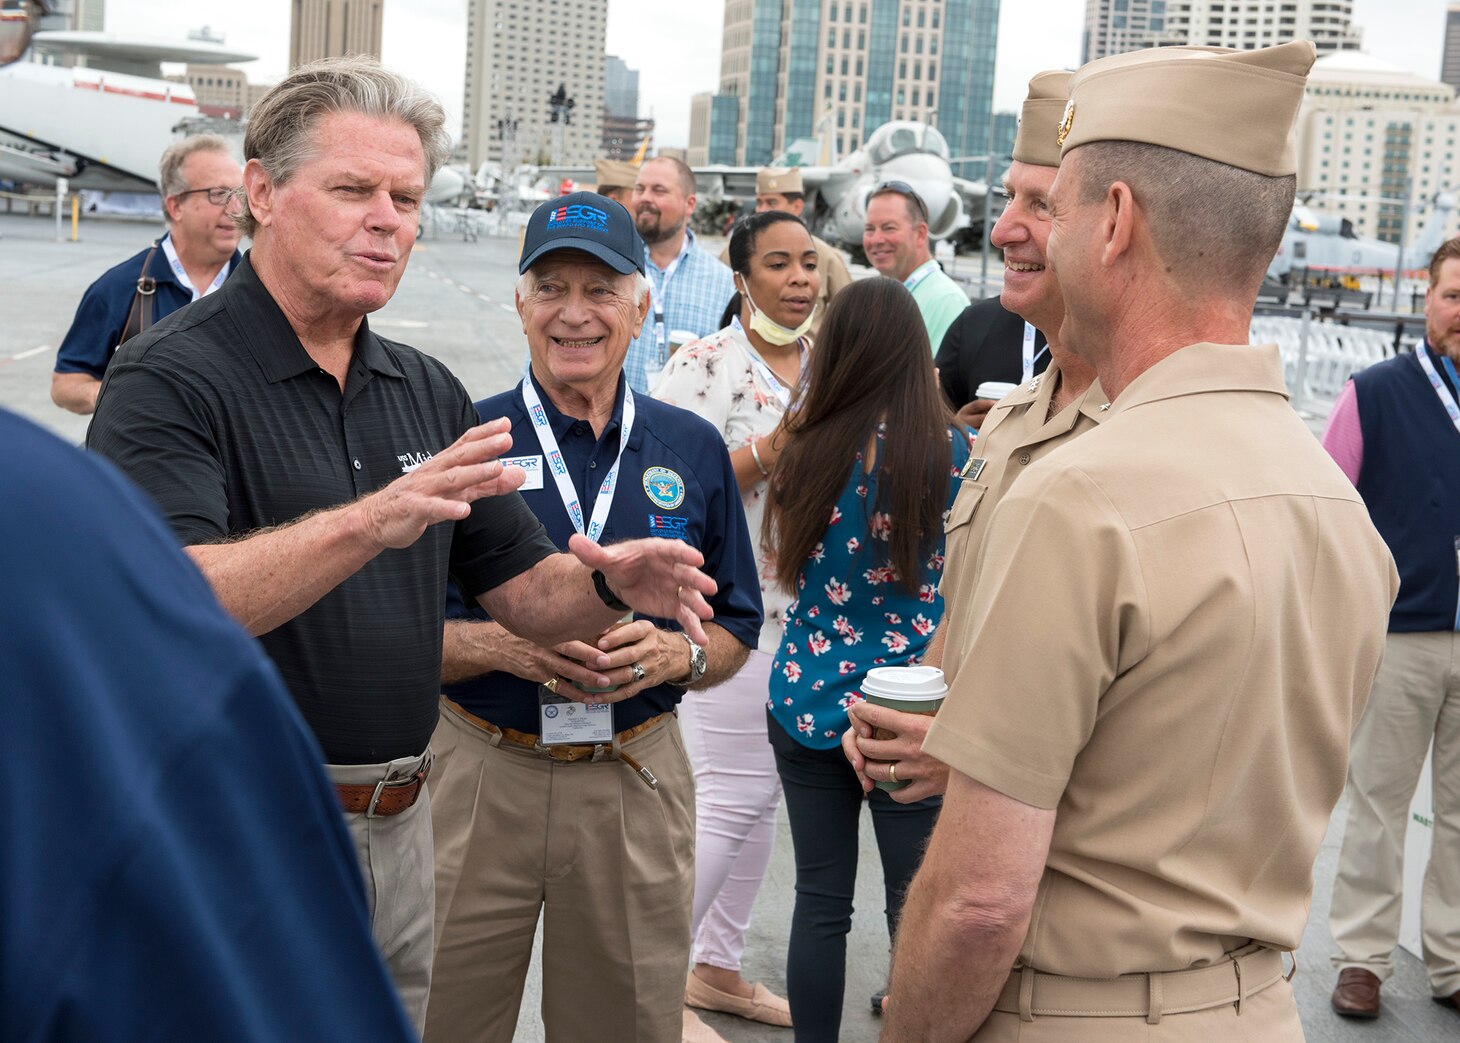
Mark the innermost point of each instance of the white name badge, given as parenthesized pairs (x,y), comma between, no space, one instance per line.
(570,722)
(532,465)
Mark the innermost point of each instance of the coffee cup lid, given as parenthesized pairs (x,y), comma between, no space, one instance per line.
(994,389)
(912,683)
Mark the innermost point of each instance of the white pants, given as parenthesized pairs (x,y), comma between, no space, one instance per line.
(737,792)
(395,853)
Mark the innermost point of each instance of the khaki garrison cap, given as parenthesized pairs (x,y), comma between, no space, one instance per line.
(1233,107)
(1039,122)
(614,173)
(778,181)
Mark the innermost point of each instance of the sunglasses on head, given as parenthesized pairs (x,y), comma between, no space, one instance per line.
(902,188)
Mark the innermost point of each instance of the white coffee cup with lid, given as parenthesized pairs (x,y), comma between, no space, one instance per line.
(907,689)
(994,389)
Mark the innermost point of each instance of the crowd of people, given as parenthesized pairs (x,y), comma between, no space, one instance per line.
(557,655)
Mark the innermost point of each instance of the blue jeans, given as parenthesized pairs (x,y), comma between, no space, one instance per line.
(824,806)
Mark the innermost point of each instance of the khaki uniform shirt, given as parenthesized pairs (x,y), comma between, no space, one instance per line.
(1180,616)
(834,276)
(1017,431)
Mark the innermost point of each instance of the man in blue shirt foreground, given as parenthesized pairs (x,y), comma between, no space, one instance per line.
(173,863)
(530,810)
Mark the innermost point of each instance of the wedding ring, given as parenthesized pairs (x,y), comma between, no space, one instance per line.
(638,672)
(892,772)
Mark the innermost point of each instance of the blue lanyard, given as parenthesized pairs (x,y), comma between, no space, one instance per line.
(1030,358)
(922,271)
(1446,399)
(559,468)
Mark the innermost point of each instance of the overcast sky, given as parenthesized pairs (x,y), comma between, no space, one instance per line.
(680,56)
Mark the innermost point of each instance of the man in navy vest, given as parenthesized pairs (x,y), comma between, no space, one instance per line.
(1395,431)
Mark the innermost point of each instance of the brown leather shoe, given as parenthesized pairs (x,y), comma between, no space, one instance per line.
(1357,993)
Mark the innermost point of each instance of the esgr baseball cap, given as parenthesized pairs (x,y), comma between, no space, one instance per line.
(584,221)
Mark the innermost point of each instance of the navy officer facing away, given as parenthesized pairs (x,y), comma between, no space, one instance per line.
(306,464)
(579,805)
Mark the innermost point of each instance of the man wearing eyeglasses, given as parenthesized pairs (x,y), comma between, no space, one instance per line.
(895,239)
(197,177)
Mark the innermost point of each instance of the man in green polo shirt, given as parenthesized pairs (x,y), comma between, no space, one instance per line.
(895,239)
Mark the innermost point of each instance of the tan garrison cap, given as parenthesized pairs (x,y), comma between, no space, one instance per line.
(1039,123)
(778,181)
(614,173)
(1234,107)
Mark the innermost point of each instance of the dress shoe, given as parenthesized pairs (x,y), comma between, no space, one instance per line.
(1452,1000)
(1357,993)
(696,1031)
(763,1006)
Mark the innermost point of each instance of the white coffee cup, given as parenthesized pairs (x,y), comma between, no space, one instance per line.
(907,689)
(994,389)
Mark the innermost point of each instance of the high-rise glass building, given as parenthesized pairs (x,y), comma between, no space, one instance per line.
(1116,26)
(792,68)
(620,88)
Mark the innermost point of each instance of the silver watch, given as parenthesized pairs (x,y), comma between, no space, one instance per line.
(697,662)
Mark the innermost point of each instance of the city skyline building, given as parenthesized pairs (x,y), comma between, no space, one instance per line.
(1372,136)
(1450,56)
(517,55)
(1117,26)
(620,88)
(790,68)
(333,28)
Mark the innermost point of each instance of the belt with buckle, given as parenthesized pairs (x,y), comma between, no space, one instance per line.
(388,796)
(1243,973)
(567,753)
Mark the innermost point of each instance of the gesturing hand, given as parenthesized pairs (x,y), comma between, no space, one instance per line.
(654,577)
(443,488)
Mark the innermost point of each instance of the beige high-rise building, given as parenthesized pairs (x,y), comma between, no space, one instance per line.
(1116,26)
(332,28)
(1371,135)
(518,52)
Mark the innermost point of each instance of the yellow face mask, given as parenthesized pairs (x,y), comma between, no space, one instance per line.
(769,328)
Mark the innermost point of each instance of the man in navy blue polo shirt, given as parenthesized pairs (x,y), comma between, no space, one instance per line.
(574,798)
(173,865)
(198,177)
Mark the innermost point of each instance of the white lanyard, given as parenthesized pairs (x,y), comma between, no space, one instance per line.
(657,297)
(559,467)
(920,273)
(761,367)
(1446,399)
(1030,358)
(178,270)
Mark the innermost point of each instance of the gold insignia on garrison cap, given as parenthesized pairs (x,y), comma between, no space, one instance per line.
(1066,124)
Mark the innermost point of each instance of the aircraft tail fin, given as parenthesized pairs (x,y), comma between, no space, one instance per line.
(1433,234)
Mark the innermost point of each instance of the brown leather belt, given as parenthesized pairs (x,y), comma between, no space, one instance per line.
(570,752)
(388,796)
(1245,972)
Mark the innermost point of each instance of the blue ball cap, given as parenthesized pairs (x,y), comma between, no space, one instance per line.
(584,221)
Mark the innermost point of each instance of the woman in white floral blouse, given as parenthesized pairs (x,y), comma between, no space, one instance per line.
(741,380)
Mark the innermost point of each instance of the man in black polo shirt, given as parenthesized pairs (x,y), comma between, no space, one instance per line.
(305,464)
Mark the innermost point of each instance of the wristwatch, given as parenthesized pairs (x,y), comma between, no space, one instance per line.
(697,662)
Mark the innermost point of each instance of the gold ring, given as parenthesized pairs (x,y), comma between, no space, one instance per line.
(892,772)
(551,684)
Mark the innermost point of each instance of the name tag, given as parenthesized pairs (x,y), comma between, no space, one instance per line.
(563,721)
(973,468)
(532,465)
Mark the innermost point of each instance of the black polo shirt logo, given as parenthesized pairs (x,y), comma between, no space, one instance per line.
(410,461)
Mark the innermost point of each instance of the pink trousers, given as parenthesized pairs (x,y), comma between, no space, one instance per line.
(737,792)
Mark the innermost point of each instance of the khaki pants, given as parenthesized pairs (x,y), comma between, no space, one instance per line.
(607,862)
(395,853)
(1416,699)
(1271,1016)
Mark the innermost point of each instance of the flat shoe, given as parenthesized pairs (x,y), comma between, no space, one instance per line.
(696,1031)
(763,1005)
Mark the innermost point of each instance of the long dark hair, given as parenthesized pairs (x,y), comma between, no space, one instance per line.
(743,238)
(871,364)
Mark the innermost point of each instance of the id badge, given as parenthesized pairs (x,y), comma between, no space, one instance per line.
(562,721)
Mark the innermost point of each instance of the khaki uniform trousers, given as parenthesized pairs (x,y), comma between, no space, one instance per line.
(1416,699)
(607,862)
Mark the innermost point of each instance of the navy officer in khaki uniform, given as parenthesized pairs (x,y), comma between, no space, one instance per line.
(1183,612)
(1044,412)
